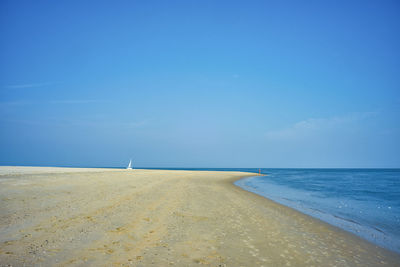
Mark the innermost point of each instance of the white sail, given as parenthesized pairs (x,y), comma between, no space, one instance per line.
(130,165)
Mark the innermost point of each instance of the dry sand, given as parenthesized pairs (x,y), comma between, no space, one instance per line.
(97,217)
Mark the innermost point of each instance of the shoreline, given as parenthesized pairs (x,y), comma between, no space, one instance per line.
(354,226)
(163,217)
(312,217)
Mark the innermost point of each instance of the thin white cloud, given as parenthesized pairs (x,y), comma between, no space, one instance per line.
(67,102)
(65,122)
(312,126)
(28,85)
(76,101)
(15,103)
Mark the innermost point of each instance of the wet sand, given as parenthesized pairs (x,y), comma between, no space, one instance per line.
(106,217)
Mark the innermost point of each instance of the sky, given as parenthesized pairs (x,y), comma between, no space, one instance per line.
(235,84)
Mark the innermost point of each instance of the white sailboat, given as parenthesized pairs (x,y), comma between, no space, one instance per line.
(130,165)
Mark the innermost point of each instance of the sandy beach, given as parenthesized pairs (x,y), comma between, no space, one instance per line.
(111,217)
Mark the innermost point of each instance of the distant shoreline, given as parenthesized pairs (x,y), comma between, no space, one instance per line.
(205,168)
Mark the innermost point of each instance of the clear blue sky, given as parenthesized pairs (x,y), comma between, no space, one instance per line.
(200,83)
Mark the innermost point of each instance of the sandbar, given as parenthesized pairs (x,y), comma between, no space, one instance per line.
(115,217)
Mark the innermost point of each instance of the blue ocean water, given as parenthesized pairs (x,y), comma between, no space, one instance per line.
(365,202)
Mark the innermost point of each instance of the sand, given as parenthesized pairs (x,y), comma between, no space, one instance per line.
(98,217)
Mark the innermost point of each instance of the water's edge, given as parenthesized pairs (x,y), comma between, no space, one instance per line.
(374,236)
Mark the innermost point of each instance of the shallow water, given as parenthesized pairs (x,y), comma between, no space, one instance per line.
(365,202)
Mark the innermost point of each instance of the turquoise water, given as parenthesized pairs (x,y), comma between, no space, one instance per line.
(365,202)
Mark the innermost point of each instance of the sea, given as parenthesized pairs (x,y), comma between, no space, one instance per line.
(365,202)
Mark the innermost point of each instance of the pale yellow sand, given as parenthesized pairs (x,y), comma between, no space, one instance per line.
(59,217)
